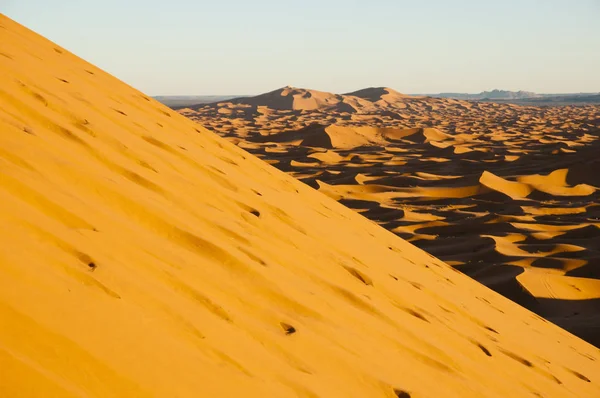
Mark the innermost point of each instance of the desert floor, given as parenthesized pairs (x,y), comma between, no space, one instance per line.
(506,194)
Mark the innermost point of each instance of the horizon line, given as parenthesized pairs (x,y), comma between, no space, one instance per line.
(430,93)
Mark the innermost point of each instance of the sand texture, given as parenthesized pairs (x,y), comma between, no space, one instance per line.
(506,194)
(144,256)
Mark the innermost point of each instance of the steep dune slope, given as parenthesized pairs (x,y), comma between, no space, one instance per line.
(142,256)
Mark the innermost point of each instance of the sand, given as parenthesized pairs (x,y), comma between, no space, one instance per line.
(459,179)
(142,255)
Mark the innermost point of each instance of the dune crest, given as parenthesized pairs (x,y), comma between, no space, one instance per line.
(512,189)
(299,99)
(375,94)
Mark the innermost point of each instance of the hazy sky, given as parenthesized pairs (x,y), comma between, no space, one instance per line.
(249,47)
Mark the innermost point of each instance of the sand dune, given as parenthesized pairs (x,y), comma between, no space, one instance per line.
(346,137)
(461,180)
(375,94)
(142,255)
(298,99)
(512,189)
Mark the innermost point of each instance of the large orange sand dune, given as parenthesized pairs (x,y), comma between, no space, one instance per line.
(143,256)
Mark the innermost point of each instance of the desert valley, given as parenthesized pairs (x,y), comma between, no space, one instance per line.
(507,194)
(293,244)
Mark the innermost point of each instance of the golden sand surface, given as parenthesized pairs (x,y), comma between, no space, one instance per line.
(144,256)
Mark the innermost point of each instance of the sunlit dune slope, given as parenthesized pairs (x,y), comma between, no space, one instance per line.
(144,256)
(292,98)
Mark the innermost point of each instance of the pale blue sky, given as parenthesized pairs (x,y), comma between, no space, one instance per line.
(247,47)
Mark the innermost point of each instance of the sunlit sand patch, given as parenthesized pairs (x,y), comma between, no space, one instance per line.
(551,228)
(430,176)
(553,210)
(514,190)
(548,285)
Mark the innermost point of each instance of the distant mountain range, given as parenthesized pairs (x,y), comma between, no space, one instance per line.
(494,94)
(524,97)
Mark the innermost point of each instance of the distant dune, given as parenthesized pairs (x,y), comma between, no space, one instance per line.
(384,96)
(297,99)
(375,99)
(144,256)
